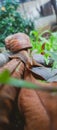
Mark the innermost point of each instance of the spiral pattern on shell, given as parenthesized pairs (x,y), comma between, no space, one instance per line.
(17,42)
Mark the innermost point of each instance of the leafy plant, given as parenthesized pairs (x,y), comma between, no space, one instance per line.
(44,45)
(11,20)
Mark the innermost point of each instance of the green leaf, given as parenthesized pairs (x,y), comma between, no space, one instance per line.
(4,76)
(24,84)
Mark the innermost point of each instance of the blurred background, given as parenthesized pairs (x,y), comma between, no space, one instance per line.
(25,15)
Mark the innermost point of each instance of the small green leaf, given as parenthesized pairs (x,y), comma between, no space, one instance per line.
(4,76)
(24,84)
(6,79)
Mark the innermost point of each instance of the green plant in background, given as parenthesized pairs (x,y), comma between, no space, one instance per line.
(35,40)
(45,46)
(11,21)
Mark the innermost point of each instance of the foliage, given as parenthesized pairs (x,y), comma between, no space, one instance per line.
(44,45)
(5,78)
(11,21)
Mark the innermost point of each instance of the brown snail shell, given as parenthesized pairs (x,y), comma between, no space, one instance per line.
(17,42)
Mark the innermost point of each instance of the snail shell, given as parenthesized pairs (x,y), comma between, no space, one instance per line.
(17,42)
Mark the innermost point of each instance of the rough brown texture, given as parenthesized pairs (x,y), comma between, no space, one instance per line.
(35,115)
(17,42)
(38,108)
(11,65)
(8,94)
